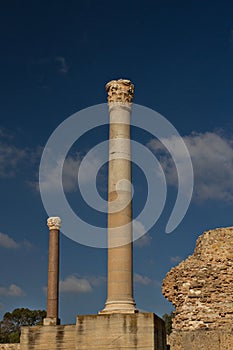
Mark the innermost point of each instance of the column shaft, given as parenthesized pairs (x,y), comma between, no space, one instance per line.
(54,224)
(120,258)
(53,274)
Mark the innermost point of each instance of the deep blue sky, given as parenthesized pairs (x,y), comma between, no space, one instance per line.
(56,58)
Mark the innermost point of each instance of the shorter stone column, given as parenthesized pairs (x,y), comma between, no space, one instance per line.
(54,224)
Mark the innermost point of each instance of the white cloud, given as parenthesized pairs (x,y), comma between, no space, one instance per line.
(70,173)
(73,284)
(13,291)
(176,259)
(52,65)
(10,159)
(27,245)
(139,230)
(97,281)
(144,241)
(70,179)
(212,158)
(90,169)
(142,279)
(51,174)
(15,159)
(7,242)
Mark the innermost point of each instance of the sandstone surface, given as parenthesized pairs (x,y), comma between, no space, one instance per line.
(201,287)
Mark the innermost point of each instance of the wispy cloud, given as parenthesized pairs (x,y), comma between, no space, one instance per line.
(27,245)
(50,176)
(76,284)
(212,158)
(144,241)
(13,159)
(50,66)
(142,279)
(96,281)
(10,159)
(73,284)
(139,230)
(8,242)
(12,291)
(176,259)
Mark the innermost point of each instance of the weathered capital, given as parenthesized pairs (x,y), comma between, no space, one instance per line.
(54,223)
(121,90)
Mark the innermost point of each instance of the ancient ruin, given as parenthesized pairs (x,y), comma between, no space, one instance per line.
(201,289)
(119,325)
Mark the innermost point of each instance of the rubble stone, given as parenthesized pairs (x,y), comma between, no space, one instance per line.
(201,287)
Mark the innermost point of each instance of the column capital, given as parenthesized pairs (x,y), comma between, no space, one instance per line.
(54,223)
(121,90)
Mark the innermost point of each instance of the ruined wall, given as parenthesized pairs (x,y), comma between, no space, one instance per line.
(201,287)
(201,340)
(9,346)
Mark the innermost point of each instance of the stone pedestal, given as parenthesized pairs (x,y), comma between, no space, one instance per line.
(48,338)
(99,332)
(120,331)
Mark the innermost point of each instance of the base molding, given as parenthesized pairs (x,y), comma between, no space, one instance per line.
(51,321)
(119,307)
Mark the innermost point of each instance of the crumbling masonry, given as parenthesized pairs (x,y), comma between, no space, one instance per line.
(201,287)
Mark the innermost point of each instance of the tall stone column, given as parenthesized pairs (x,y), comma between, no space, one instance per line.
(120,270)
(54,224)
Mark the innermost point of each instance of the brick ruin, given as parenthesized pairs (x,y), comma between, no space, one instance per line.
(201,287)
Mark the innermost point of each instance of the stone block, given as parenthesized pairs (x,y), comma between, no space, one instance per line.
(201,340)
(48,338)
(120,331)
(51,321)
(99,332)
